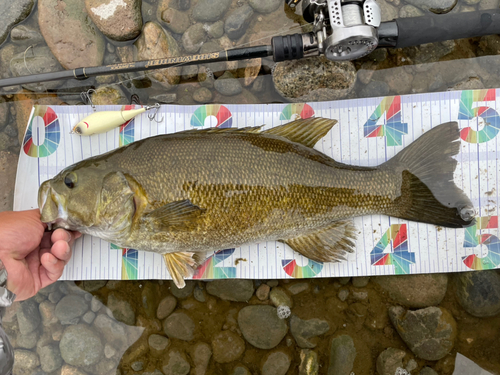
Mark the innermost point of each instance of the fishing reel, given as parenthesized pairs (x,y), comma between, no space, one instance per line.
(342,30)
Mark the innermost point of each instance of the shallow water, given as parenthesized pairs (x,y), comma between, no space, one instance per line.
(357,308)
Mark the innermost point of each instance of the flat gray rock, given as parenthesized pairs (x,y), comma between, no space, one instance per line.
(231,290)
(70,308)
(227,346)
(179,326)
(389,361)
(276,363)
(261,326)
(28,316)
(210,10)
(81,346)
(304,330)
(342,355)
(11,13)
(478,292)
(237,21)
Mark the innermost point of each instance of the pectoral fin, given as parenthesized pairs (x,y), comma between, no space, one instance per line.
(181,265)
(328,244)
(305,131)
(179,215)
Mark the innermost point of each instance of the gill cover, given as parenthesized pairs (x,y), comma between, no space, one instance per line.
(116,197)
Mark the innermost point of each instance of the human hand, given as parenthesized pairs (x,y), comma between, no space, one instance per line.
(32,257)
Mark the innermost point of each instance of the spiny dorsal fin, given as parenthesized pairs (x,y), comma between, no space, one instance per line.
(328,244)
(248,129)
(179,215)
(305,131)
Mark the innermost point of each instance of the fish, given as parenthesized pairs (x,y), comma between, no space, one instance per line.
(185,194)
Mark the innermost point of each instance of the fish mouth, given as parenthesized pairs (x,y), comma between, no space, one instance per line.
(52,207)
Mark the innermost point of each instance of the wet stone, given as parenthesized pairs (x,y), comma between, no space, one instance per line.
(261,326)
(342,355)
(11,13)
(309,364)
(210,10)
(70,370)
(262,292)
(6,142)
(88,317)
(80,346)
(343,294)
(113,331)
(241,370)
(202,95)
(231,290)
(122,310)
(199,294)
(193,38)
(27,341)
(436,6)
(25,361)
(56,296)
(265,6)
(149,297)
(50,358)
(227,346)
(175,20)
(410,11)
(179,326)
(165,99)
(374,88)
(201,354)
(158,342)
(137,366)
(237,21)
(25,35)
(70,308)
(175,363)
(8,168)
(430,333)
(28,316)
(216,30)
(93,285)
(303,330)
(414,290)
(279,297)
(389,361)
(478,292)
(166,307)
(189,72)
(109,351)
(276,363)
(95,304)
(104,367)
(427,371)
(360,282)
(297,288)
(184,292)
(47,313)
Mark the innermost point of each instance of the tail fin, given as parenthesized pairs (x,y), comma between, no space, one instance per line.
(428,193)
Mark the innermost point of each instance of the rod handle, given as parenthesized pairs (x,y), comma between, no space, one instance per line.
(287,47)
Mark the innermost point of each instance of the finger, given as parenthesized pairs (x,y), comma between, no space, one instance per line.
(64,235)
(46,241)
(51,270)
(61,250)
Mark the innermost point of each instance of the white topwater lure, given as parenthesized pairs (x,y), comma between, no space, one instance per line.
(102,122)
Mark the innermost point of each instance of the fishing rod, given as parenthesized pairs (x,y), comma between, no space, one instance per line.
(342,30)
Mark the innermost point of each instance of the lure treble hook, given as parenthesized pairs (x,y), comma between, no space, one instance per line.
(154,115)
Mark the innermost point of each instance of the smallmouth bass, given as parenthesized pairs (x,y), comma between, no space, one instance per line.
(191,192)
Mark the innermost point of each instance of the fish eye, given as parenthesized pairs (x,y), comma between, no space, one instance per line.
(70,180)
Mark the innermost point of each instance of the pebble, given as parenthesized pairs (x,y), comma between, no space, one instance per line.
(47,313)
(81,346)
(241,370)
(166,307)
(56,296)
(184,292)
(73,40)
(389,361)
(210,10)
(279,297)
(93,285)
(261,326)
(88,317)
(427,371)
(342,355)
(109,351)
(117,19)
(165,99)
(228,85)
(199,293)
(202,95)
(200,355)
(50,358)
(488,4)
(276,363)
(231,290)
(430,333)
(216,30)
(309,364)
(410,11)
(414,290)
(158,342)
(95,304)
(262,292)
(70,308)
(436,6)
(237,21)
(175,363)
(122,310)
(27,341)
(28,316)
(137,366)
(343,294)
(193,38)
(25,35)
(314,79)
(303,330)
(360,282)
(478,292)
(189,72)
(11,13)
(113,331)
(227,346)
(175,20)
(179,326)
(374,88)
(8,168)
(157,43)
(149,298)
(25,361)
(265,6)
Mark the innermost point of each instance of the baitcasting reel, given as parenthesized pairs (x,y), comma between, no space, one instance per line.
(343,30)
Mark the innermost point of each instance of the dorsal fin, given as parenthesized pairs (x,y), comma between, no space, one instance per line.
(305,131)
(248,129)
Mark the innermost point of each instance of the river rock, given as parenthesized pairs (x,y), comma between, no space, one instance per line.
(488,4)
(175,363)
(227,346)
(276,363)
(202,95)
(262,292)
(179,326)
(29,340)
(193,38)
(479,292)
(200,355)
(435,6)
(309,364)
(113,331)
(28,316)
(182,293)
(4,112)
(228,85)
(156,43)
(8,168)
(166,307)
(237,21)
(25,35)
(11,13)
(158,342)
(117,19)
(261,326)
(122,310)
(81,346)
(389,361)
(216,30)
(210,10)
(251,69)
(342,355)
(427,371)
(70,308)
(314,79)
(25,361)
(265,6)
(430,333)
(74,41)
(50,358)
(414,290)
(303,330)
(231,290)
(175,20)
(410,11)
(279,297)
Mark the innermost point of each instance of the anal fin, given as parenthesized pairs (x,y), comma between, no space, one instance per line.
(328,244)
(181,265)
